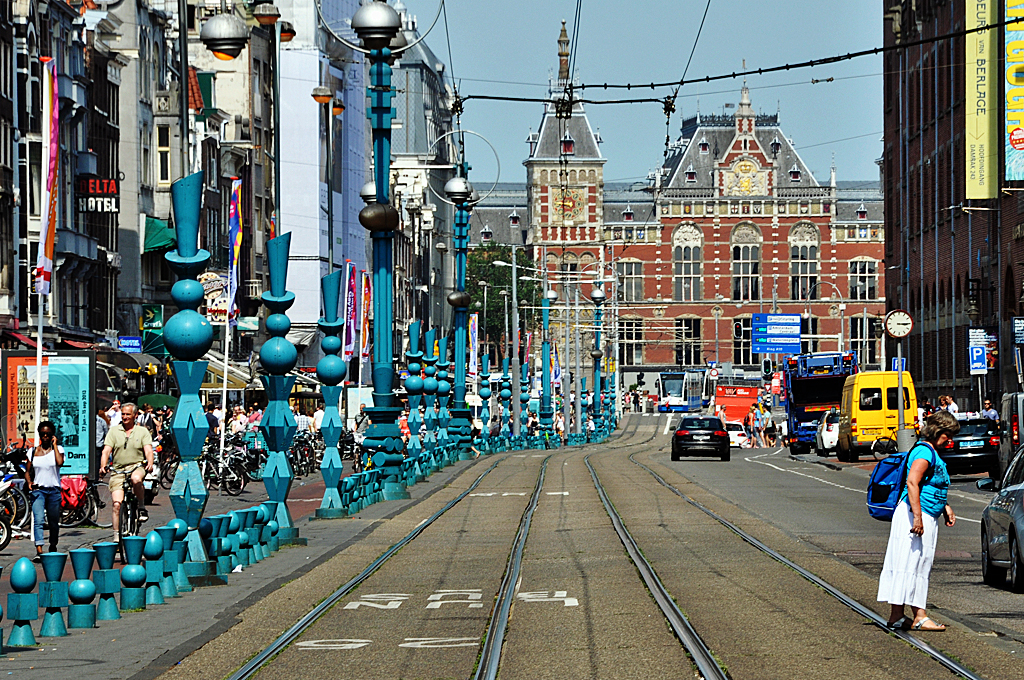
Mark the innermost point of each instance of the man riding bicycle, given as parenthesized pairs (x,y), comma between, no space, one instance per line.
(127,447)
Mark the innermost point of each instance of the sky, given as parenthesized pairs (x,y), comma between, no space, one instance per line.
(509,48)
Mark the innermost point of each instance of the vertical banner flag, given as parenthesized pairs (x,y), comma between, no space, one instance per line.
(51,145)
(1013,141)
(526,354)
(364,316)
(556,367)
(235,239)
(350,313)
(980,116)
(473,346)
(273,224)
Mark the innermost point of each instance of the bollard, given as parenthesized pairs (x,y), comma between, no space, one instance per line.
(22,604)
(234,526)
(274,528)
(170,562)
(220,532)
(181,548)
(213,543)
(154,553)
(250,531)
(133,575)
(274,543)
(205,574)
(81,591)
(244,552)
(53,594)
(262,517)
(108,582)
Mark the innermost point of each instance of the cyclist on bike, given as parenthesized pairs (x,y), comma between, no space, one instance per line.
(127,447)
(42,479)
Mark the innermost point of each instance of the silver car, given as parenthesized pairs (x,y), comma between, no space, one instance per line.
(1002,528)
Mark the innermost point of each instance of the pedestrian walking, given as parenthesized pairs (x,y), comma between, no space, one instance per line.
(42,479)
(915,528)
(989,412)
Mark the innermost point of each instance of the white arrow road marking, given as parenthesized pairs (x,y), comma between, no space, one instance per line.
(472,596)
(668,424)
(431,643)
(557,493)
(514,494)
(492,493)
(333,644)
(379,601)
(543,596)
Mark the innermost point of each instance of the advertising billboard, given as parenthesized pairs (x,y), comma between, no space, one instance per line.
(980,119)
(1013,132)
(68,386)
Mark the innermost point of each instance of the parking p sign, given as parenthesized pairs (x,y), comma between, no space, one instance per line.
(977,358)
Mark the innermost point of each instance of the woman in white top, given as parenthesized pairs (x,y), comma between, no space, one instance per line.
(42,478)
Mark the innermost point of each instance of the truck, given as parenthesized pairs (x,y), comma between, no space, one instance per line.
(813,384)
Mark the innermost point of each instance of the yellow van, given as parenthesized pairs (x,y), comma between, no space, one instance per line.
(865,416)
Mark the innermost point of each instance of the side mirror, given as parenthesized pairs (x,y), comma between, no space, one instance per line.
(987,484)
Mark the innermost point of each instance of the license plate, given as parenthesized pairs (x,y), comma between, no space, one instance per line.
(702,437)
(871,430)
(971,444)
(148,485)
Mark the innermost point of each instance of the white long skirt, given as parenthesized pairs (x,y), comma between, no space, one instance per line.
(908,559)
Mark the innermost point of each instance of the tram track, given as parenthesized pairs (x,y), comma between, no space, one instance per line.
(661,594)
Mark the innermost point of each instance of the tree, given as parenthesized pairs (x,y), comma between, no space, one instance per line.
(480,267)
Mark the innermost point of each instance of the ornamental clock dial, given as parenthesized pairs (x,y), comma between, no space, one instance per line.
(898,323)
(567,204)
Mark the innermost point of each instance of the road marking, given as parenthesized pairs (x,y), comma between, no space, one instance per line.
(343,643)
(558,493)
(492,493)
(668,425)
(379,601)
(752,459)
(511,493)
(472,596)
(433,643)
(557,596)
(519,456)
(537,455)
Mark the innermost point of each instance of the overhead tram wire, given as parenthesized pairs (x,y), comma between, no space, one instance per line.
(670,102)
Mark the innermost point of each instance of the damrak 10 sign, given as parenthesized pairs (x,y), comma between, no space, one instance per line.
(96,195)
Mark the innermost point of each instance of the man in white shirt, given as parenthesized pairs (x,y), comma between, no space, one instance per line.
(114,413)
(318,417)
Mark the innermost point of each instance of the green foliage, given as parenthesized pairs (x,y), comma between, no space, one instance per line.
(480,267)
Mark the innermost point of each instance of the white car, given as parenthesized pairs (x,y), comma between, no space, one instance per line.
(737,438)
(827,437)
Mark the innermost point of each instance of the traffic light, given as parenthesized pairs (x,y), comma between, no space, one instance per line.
(640,380)
(767,370)
(737,330)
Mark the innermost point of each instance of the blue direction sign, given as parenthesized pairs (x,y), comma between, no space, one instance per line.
(775,334)
(132,344)
(978,364)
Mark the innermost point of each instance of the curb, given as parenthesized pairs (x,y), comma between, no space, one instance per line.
(816,461)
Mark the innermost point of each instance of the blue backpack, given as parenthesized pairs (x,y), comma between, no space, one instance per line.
(886,485)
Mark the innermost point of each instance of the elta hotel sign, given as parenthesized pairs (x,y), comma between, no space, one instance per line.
(96,195)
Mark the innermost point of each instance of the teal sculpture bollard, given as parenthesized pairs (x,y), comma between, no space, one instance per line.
(81,591)
(108,582)
(250,530)
(220,532)
(213,543)
(181,548)
(259,527)
(234,523)
(170,562)
(274,529)
(274,543)
(154,554)
(22,604)
(244,551)
(331,371)
(53,595)
(133,575)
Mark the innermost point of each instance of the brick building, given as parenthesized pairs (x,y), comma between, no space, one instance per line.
(733,224)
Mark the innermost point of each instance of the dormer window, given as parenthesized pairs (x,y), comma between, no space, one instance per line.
(691,174)
(794,173)
(568,144)
(532,139)
(486,235)
(513,219)
(704,146)
(862,212)
(776,146)
(627,214)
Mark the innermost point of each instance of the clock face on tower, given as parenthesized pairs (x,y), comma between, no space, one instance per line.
(567,204)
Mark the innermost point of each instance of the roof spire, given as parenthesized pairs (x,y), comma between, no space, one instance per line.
(563,56)
(744,109)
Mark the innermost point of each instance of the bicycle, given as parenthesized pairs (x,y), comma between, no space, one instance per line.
(128,517)
(227,472)
(14,502)
(90,508)
(884,446)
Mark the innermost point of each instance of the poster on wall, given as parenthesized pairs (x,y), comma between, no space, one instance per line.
(980,115)
(1013,131)
(68,386)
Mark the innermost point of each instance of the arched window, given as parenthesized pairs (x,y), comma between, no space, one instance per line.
(803,262)
(863,279)
(569,263)
(686,253)
(746,262)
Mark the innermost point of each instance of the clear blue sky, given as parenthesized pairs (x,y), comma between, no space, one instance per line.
(649,40)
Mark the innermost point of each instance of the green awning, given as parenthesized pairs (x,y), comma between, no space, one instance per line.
(159,235)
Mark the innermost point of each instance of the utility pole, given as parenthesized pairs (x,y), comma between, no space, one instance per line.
(516,371)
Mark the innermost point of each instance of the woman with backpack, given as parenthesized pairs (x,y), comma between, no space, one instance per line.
(915,527)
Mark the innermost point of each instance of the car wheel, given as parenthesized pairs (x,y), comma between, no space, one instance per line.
(990,574)
(726,455)
(842,455)
(1016,567)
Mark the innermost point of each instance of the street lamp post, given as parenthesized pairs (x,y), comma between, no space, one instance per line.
(459,192)
(332,107)
(598,296)
(514,338)
(842,310)
(376,24)
(546,411)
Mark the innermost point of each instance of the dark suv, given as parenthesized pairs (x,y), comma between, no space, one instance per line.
(700,436)
(975,448)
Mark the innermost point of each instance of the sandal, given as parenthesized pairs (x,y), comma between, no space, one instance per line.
(937,627)
(902,623)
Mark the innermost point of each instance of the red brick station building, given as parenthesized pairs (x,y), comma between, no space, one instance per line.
(732,224)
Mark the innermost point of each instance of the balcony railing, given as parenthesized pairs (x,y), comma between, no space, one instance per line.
(253,288)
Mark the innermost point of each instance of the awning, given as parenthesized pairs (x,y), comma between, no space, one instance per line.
(79,345)
(22,339)
(159,235)
(238,374)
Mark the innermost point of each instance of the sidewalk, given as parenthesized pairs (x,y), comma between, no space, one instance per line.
(144,645)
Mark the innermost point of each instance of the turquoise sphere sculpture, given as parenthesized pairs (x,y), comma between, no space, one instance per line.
(262,514)
(154,549)
(133,575)
(331,369)
(414,384)
(81,591)
(506,393)
(443,388)
(485,392)
(243,539)
(274,527)
(235,523)
(23,576)
(278,356)
(331,344)
(205,528)
(180,526)
(524,397)
(188,334)
(430,384)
